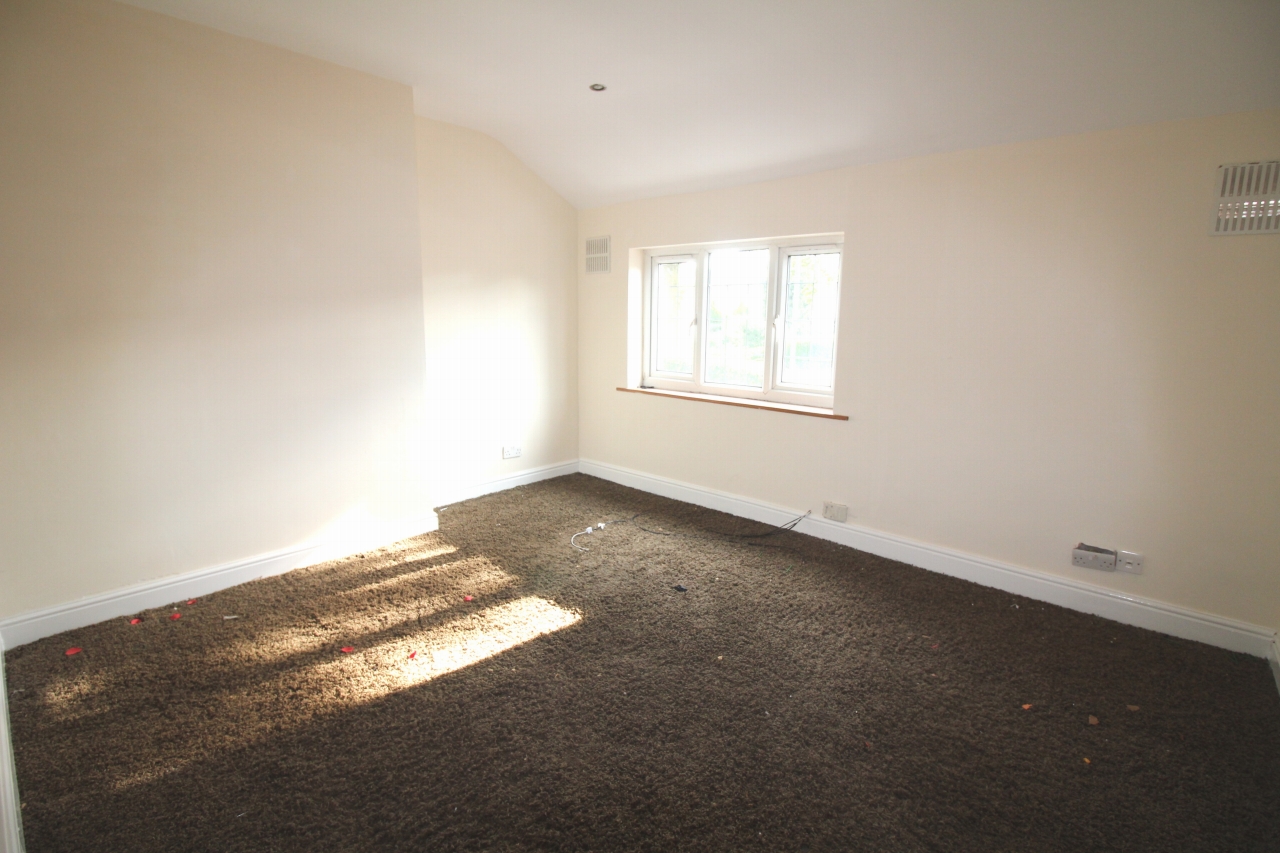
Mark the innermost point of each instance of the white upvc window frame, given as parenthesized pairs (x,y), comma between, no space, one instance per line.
(773,390)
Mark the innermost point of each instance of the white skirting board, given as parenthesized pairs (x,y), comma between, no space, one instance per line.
(1275,661)
(1130,610)
(10,803)
(28,627)
(520,478)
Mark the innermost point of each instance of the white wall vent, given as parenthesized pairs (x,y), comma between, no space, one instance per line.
(1248,199)
(597,254)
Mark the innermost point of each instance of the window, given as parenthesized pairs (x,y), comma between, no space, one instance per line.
(755,320)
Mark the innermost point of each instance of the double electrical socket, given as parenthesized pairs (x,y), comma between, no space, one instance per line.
(1093,557)
(511,451)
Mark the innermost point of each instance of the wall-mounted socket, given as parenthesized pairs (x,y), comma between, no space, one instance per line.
(511,451)
(1093,557)
(834,511)
(1130,561)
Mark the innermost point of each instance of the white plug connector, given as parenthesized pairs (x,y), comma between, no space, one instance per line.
(588,530)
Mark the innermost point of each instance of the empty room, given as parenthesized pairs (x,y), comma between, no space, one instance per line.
(826,425)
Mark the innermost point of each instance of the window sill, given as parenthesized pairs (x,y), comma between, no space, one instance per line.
(810,411)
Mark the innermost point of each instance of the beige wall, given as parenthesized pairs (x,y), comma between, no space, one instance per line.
(221,265)
(210,302)
(500,306)
(1039,344)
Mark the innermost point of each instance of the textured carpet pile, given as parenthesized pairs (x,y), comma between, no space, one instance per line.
(795,696)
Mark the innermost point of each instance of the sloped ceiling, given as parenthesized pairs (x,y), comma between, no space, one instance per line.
(710,93)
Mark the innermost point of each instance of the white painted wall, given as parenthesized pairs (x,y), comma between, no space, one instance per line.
(1040,344)
(500,307)
(210,302)
(222,264)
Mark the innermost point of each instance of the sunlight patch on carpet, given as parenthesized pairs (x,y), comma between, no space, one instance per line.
(385,558)
(397,602)
(293,698)
(410,578)
(447,648)
(77,697)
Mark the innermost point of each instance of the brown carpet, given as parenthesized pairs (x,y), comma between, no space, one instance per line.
(797,696)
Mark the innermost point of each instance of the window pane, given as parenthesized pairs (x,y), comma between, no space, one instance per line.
(674,296)
(736,315)
(809,319)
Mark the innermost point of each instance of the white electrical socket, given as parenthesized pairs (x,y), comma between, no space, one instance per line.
(834,511)
(1093,557)
(511,451)
(1130,561)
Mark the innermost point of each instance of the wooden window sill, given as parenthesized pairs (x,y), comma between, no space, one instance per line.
(810,411)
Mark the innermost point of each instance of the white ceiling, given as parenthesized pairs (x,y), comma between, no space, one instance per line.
(710,93)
